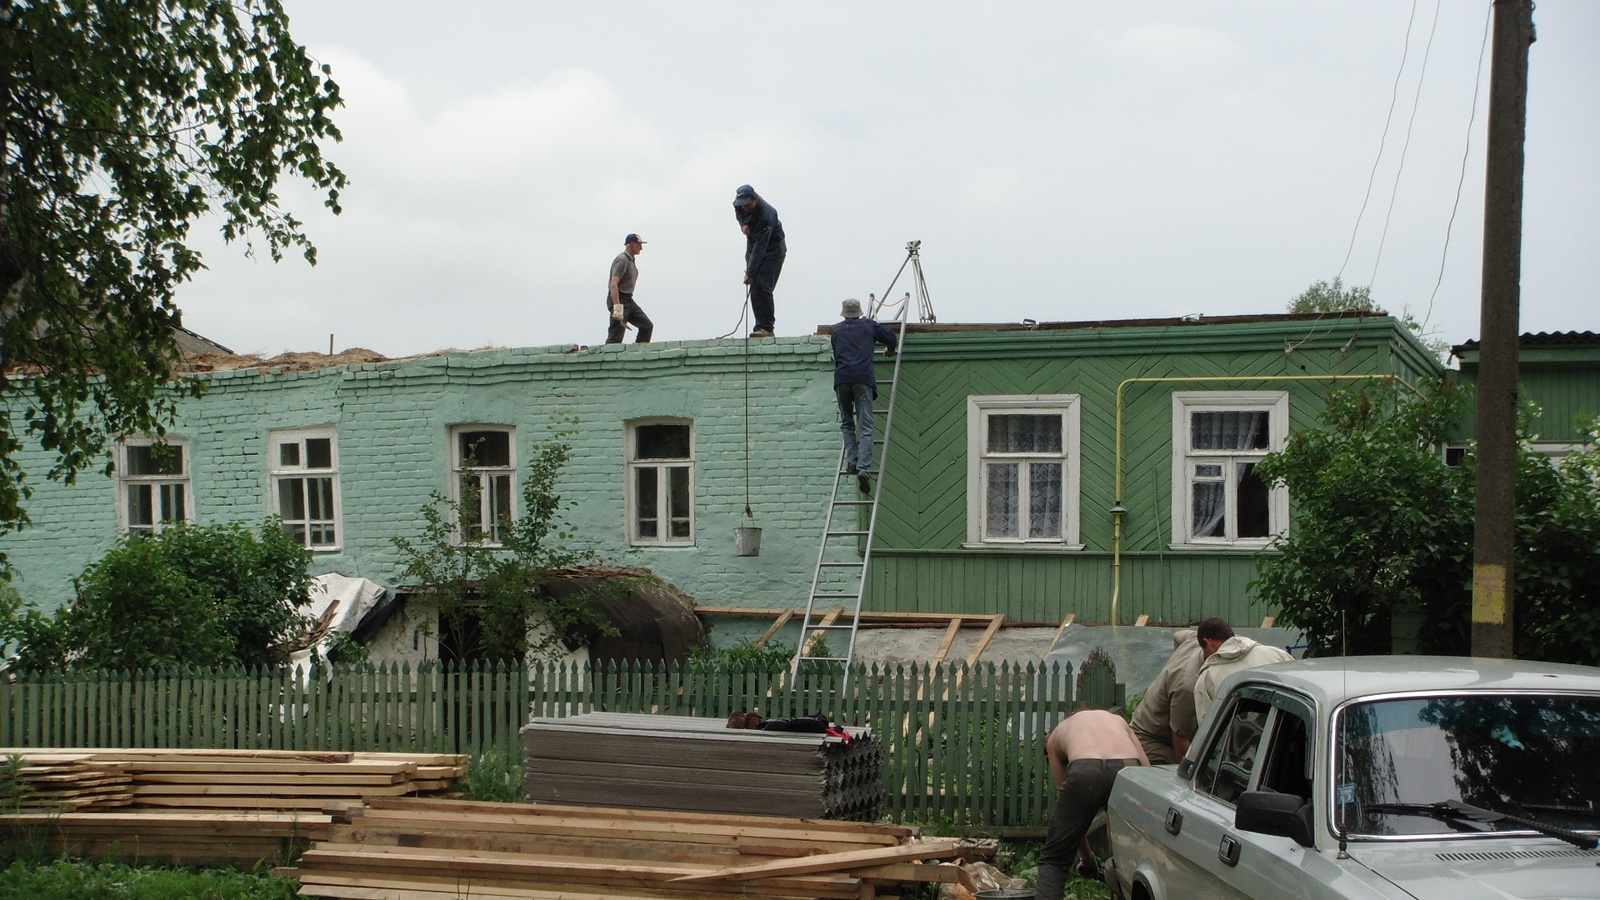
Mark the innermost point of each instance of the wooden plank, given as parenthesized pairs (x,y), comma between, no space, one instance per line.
(1269,621)
(1142,621)
(831,862)
(988,635)
(918,873)
(829,618)
(687,819)
(775,627)
(950,633)
(440,887)
(1070,618)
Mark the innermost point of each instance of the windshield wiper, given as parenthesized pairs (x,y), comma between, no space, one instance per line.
(1455,811)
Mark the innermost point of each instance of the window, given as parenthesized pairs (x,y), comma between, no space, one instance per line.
(1218,439)
(1022,470)
(1230,762)
(485,468)
(1263,744)
(153,484)
(660,456)
(304,469)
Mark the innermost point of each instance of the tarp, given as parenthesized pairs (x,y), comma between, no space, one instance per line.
(339,603)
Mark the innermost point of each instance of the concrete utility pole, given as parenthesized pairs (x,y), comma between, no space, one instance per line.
(1493,573)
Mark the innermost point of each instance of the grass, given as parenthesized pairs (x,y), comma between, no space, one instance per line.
(66,880)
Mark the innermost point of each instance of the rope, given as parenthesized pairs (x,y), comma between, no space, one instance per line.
(747,513)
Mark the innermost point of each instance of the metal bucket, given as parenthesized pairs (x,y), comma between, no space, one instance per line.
(1006,894)
(747,541)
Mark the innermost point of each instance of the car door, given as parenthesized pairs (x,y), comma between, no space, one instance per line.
(1199,827)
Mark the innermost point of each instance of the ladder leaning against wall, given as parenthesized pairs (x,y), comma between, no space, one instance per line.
(839,582)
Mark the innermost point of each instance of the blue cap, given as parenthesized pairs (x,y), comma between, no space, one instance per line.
(632,239)
(743,195)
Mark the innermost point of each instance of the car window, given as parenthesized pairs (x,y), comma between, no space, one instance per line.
(1229,762)
(1286,764)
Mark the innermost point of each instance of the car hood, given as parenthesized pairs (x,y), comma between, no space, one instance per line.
(1500,868)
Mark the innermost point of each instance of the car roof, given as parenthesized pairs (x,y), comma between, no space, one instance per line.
(1334,680)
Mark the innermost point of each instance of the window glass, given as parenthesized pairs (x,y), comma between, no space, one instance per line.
(1229,430)
(1230,760)
(1286,766)
(307,504)
(1002,520)
(1530,755)
(489,449)
(319,453)
(648,502)
(1219,439)
(154,459)
(289,454)
(661,441)
(1024,433)
(153,479)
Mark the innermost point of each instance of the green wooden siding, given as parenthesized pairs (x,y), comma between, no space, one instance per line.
(920,564)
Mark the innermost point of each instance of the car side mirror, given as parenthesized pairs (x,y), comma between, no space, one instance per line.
(1269,812)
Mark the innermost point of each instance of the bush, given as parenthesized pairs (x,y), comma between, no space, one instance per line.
(208,596)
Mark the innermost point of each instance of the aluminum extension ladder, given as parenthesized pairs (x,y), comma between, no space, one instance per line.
(833,609)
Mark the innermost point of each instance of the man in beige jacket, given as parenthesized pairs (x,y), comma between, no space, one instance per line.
(1224,654)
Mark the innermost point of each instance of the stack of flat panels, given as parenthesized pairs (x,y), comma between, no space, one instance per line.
(685,763)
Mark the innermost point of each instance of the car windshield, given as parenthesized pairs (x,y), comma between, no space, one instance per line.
(1529,755)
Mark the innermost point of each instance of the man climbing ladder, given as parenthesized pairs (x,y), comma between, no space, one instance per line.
(856,384)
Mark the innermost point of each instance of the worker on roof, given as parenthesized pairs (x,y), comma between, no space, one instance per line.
(619,295)
(764,251)
(856,385)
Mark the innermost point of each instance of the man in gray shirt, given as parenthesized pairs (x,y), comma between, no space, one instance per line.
(619,295)
(1165,720)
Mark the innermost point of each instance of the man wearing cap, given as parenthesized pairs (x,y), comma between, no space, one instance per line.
(856,385)
(619,296)
(764,250)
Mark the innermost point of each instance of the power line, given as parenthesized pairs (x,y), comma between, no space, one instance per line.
(1416,99)
(1472,119)
(1394,97)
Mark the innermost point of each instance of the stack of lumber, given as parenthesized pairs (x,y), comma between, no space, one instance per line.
(64,781)
(421,849)
(699,764)
(226,779)
(187,837)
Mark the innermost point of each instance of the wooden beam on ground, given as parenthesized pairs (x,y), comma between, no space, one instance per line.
(777,626)
(988,635)
(832,862)
(1269,621)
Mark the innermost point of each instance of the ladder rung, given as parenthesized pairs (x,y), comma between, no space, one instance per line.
(815,627)
(847,534)
(836,565)
(852,503)
(824,659)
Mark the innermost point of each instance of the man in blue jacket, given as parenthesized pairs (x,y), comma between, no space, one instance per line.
(764,250)
(856,385)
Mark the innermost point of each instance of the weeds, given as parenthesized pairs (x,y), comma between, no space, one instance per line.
(67,880)
(496,776)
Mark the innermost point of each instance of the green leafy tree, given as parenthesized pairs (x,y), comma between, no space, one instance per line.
(121,124)
(1334,297)
(1381,522)
(488,593)
(206,596)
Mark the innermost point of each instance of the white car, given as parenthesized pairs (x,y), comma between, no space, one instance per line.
(1374,777)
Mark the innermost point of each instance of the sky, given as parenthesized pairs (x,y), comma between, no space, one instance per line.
(1058,161)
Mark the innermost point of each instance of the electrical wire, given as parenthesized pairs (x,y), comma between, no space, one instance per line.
(1416,98)
(1394,97)
(1472,119)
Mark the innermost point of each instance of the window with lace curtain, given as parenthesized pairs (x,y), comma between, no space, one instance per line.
(1022,470)
(1218,438)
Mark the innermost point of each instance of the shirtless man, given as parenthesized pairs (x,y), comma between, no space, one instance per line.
(1086,751)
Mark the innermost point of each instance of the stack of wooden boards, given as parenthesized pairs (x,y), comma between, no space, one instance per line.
(702,765)
(222,779)
(420,849)
(197,807)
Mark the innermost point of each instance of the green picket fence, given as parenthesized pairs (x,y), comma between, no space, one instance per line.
(963,744)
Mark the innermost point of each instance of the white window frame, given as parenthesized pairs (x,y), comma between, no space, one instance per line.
(485,475)
(979,408)
(633,465)
(279,472)
(1276,403)
(158,485)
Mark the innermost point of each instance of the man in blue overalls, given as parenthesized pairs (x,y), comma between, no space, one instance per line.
(856,385)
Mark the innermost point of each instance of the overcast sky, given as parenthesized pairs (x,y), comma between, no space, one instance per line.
(1059,161)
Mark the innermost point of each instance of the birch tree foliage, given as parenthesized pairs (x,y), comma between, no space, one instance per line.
(123,123)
